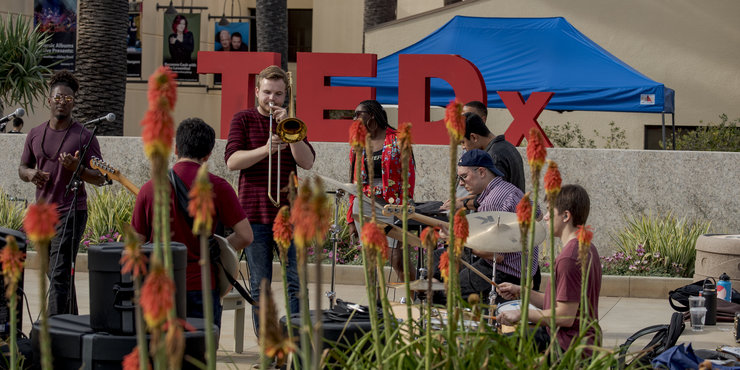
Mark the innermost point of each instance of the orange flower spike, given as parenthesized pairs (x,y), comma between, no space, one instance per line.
(134,262)
(374,239)
(175,344)
(429,236)
(156,296)
(162,93)
(12,260)
(282,231)
(157,133)
(131,360)
(524,211)
(455,121)
(357,133)
(320,212)
(404,138)
(584,243)
(461,231)
(536,151)
(553,181)
(201,207)
(40,222)
(299,217)
(444,266)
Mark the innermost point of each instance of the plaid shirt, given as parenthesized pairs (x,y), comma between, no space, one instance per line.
(502,196)
(250,130)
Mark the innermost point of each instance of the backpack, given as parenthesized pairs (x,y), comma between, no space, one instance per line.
(679,301)
(665,337)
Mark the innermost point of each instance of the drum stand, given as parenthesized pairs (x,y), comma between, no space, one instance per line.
(492,295)
(334,237)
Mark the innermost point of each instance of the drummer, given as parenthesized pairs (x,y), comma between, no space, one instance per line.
(571,211)
(477,173)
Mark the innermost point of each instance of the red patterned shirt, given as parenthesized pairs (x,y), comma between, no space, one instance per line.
(250,130)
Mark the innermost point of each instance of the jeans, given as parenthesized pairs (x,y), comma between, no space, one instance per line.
(259,258)
(62,252)
(194,307)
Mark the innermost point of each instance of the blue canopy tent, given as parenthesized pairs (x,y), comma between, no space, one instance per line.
(529,55)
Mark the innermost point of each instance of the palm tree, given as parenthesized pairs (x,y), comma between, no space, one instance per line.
(101,61)
(22,77)
(272,28)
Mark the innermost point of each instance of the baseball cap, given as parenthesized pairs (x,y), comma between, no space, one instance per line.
(479,158)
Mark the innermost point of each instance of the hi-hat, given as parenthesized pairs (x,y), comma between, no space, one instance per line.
(419,285)
(332,184)
(498,232)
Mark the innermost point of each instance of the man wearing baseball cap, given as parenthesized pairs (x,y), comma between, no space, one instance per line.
(477,173)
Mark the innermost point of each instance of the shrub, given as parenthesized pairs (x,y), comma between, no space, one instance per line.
(568,136)
(722,137)
(107,212)
(12,211)
(662,245)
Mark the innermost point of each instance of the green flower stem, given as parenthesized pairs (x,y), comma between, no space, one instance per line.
(13,329)
(140,328)
(305,313)
(384,301)
(46,360)
(526,275)
(404,241)
(428,313)
(553,327)
(317,329)
(453,285)
(284,269)
(205,280)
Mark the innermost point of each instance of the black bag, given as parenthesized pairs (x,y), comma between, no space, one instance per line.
(665,337)
(679,300)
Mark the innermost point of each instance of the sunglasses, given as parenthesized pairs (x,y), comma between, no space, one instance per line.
(358,113)
(66,98)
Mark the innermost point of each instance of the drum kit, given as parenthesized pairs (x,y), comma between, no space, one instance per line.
(491,232)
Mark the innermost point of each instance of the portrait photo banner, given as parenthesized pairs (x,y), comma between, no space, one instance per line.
(133,40)
(181,45)
(231,37)
(58,18)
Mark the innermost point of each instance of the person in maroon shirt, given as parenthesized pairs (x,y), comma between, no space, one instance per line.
(247,151)
(194,142)
(571,211)
(50,157)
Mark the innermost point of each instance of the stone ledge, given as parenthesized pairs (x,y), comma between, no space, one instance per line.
(611,285)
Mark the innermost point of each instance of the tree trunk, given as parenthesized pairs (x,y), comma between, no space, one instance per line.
(272,28)
(101,62)
(379,11)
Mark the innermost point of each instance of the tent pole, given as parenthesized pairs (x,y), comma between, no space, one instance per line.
(662,116)
(673,125)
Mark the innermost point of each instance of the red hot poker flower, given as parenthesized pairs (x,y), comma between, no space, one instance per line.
(444,266)
(12,260)
(131,360)
(374,239)
(536,151)
(40,222)
(455,121)
(134,262)
(584,243)
(404,138)
(201,207)
(524,212)
(156,296)
(310,215)
(282,231)
(162,92)
(429,237)
(157,133)
(357,133)
(553,181)
(461,231)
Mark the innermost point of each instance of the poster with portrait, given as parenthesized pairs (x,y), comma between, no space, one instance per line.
(181,44)
(133,40)
(58,18)
(231,37)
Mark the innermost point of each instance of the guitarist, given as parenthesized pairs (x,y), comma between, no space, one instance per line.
(194,142)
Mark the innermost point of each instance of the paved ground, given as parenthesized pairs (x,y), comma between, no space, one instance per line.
(619,318)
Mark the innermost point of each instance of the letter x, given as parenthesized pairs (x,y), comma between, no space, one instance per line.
(525,114)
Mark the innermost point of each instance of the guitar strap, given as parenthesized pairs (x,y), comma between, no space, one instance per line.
(181,195)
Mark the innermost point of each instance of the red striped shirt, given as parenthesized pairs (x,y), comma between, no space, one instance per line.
(250,130)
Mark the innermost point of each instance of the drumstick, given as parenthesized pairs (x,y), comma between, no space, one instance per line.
(482,275)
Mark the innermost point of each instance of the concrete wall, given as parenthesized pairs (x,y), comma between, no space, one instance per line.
(695,185)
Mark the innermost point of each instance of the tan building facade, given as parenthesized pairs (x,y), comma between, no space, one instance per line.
(691,47)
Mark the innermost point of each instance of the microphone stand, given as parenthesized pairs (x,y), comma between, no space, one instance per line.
(334,230)
(74,184)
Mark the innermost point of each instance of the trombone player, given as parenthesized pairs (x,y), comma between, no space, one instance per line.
(248,151)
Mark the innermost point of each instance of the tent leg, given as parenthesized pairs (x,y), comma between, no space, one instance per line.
(673,126)
(662,116)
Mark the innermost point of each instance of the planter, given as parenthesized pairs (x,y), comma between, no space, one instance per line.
(718,253)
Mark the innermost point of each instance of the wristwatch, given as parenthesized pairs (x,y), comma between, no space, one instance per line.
(465,203)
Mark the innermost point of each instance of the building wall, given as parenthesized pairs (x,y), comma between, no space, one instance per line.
(689,46)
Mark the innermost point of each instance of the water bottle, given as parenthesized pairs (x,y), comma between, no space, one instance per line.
(724,288)
(710,294)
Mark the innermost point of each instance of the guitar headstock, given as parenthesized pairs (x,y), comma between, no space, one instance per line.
(396,210)
(106,169)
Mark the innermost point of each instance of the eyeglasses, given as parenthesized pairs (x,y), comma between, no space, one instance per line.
(66,98)
(464,177)
(358,113)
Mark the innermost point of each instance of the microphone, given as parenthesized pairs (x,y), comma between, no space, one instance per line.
(18,113)
(110,117)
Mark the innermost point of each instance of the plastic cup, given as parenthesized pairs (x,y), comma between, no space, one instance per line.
(698,313)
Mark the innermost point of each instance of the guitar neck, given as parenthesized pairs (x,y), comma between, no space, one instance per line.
(127,184)
(431,221)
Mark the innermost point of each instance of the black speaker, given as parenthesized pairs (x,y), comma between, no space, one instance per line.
(4,306)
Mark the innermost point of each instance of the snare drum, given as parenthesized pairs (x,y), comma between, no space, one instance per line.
(511,306)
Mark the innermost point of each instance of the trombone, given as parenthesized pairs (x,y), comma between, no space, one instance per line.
(290,130)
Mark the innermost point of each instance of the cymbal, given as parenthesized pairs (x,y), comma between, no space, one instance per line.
(336,185)
(498,232)
(419,285)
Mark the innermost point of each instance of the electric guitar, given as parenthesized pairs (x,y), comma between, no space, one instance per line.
(113,174)
(397,210)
